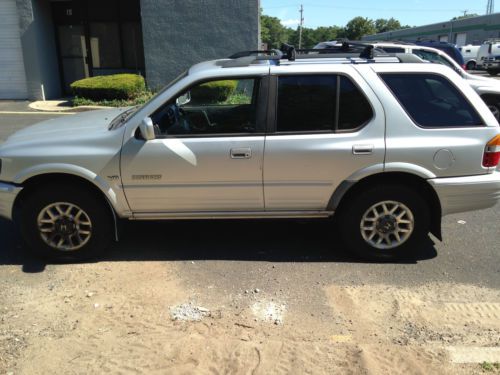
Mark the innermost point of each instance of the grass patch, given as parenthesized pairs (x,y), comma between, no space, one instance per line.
(490,367)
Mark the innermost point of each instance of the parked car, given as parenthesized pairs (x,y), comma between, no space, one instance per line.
(448,48)
(489,56)
(469,54)
(487,88)
(263,136)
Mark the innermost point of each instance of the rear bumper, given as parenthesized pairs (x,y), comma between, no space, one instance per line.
(460,194)
(8,194)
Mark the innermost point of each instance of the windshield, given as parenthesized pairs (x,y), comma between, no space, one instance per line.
(119,120)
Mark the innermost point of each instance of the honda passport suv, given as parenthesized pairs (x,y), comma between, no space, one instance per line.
(387,148)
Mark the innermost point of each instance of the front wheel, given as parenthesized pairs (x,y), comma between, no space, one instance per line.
(492,72)
(65,223)
(384,222)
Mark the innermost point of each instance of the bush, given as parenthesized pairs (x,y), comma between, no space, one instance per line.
(213,92)
(138,100)
(117,86)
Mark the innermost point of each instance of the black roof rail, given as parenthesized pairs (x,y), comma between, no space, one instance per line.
(346,49)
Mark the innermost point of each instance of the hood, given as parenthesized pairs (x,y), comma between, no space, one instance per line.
(67,127)
(483,85)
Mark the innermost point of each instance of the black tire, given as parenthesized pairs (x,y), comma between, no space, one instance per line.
(471,65)
(96,209)
(492,72)
(351,214)
(494,106)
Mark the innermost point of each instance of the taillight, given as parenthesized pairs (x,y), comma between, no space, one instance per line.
(464,67)
(491,157)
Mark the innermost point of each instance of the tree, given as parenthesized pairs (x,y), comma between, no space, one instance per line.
(382,25)
(359,26)
(273,32)
(465,16)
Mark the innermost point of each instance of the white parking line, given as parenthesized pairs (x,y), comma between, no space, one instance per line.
(473,354)
(35,113)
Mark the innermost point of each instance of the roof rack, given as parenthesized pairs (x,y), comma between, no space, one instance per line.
(346,52)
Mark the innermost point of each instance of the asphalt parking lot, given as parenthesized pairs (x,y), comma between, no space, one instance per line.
(232,268)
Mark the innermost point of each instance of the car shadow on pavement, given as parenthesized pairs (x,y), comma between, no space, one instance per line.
(242,240)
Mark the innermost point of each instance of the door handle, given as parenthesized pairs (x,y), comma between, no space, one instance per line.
(362,149)
(241,153)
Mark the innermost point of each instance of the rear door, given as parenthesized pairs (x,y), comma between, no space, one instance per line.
(326,127)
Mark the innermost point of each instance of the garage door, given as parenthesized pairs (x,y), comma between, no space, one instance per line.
(12,76)
(461,39)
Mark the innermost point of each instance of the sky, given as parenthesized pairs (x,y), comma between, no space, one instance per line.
(338,13)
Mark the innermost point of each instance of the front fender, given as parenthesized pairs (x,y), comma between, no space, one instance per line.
(70,169)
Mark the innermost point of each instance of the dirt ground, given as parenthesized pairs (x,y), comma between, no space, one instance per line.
(140,317)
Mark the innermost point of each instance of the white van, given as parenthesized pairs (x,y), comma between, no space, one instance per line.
(488,50)
(469,53)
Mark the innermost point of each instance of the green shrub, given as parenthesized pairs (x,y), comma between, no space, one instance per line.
(116,86)
(213,92)
(138,100)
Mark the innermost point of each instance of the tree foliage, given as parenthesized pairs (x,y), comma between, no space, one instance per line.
(382,25)
(465,16)
(273,33)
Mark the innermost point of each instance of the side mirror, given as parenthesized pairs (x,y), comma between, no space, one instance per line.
(184,99)
(147,129)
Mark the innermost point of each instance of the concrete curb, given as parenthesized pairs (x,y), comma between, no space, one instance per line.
(61,106)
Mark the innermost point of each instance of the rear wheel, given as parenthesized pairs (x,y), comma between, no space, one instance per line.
(65,223)
(384,222)
(471,65)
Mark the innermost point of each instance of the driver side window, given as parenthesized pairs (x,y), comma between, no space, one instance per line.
(216,107)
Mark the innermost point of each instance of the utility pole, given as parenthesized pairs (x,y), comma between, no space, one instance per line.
(465,12)
(490,7)
(300,25)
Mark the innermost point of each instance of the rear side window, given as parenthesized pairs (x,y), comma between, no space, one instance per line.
(320,103)
(431,100)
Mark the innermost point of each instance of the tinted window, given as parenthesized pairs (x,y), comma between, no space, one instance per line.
(432,57)
(309,104)
(431,100)
(306,103)
(354,109)
(393,49)
(215,107)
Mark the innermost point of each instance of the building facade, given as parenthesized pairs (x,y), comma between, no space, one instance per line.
(472,30)
(45,45)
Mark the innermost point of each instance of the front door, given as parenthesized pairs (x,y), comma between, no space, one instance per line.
(207,156)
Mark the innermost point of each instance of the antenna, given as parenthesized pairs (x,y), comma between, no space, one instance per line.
(490,7)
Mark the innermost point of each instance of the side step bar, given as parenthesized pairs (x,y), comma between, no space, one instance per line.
(230,215)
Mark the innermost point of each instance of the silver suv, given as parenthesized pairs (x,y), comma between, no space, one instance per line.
(388,148)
